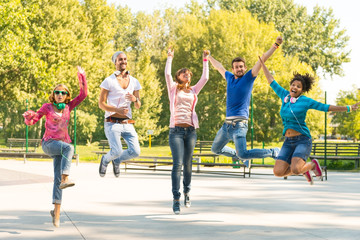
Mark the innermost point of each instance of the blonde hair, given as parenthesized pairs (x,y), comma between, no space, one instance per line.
(178,73)
(68,97)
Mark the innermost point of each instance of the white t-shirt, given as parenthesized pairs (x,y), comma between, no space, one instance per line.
(116,96)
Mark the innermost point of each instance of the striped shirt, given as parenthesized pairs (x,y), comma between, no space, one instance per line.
(293,115)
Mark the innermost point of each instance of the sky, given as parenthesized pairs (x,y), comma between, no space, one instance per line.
(346,11)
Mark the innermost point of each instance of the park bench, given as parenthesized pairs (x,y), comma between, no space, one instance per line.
(17,149)
(154,162)
(27,155)
(151,162)
(19,145)
(203,149)
(336,152)
(104,147)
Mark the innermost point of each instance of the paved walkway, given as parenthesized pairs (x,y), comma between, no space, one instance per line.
(138,206)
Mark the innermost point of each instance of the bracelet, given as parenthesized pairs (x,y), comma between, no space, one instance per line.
(205,60)
(275,46)
(348,109)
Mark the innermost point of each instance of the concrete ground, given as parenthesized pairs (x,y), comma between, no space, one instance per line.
(138,205)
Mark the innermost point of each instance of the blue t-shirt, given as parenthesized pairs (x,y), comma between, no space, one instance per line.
(238,94)
(293,115)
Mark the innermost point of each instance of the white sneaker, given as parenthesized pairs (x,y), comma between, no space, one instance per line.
(276,152)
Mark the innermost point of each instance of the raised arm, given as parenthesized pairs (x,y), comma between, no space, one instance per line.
(255,70)
(83,91)
(348,108)
(205,74)
(218,66)
(169,80)
(267,73)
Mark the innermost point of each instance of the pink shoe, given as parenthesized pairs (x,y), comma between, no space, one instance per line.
(308,177)
(317,170)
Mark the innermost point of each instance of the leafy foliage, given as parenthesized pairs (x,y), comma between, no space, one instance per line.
(42,42)
(322,46)
(348,123)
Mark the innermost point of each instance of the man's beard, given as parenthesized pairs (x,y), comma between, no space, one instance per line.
(239,76)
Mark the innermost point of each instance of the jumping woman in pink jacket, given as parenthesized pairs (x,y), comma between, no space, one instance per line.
(183,124)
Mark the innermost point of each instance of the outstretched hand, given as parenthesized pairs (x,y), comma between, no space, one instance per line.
(355,106)
(206,54)
(29,114)
(170,52)
(80,70)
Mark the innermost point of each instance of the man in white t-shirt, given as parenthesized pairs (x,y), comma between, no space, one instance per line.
(117,93)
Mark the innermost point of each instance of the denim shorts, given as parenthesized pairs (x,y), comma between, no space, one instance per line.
(298,146)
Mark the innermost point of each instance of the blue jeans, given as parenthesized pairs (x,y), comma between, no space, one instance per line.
(298,146)
(236,133)
(182,143)
(62,153)
(114,132)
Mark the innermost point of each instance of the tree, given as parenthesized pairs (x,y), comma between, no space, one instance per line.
(322,46)
(44,40)
(349,123)
(192,31)
(141,37)
(20,67)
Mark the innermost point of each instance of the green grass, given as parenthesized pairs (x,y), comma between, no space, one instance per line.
(86,152)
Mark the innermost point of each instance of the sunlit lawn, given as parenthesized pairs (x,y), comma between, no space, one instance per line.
(86,152)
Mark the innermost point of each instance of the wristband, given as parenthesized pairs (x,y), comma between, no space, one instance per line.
(275,46)
(205,60)
(348,108)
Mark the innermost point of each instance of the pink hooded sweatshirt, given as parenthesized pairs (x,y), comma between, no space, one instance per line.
(172,91)
(55,125)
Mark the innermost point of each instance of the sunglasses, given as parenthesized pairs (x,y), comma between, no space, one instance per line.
(60,92)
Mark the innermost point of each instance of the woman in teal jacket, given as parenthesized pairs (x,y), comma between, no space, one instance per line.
(297,145)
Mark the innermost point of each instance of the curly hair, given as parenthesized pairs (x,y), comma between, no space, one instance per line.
(52,95)
(178,73)
(306,80)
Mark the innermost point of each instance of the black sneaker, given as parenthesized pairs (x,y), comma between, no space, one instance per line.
(116,168)
(176,206)
(187,202)
(102,168)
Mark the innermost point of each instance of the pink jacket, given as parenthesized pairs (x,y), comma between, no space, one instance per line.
(55,125)
(172,91)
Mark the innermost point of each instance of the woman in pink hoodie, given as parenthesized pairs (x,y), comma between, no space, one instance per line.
(183,124)
(56,140)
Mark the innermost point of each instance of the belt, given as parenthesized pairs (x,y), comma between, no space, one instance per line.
(234,121)
(119,120)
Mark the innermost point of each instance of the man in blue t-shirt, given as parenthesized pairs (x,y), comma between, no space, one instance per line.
(239,87)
